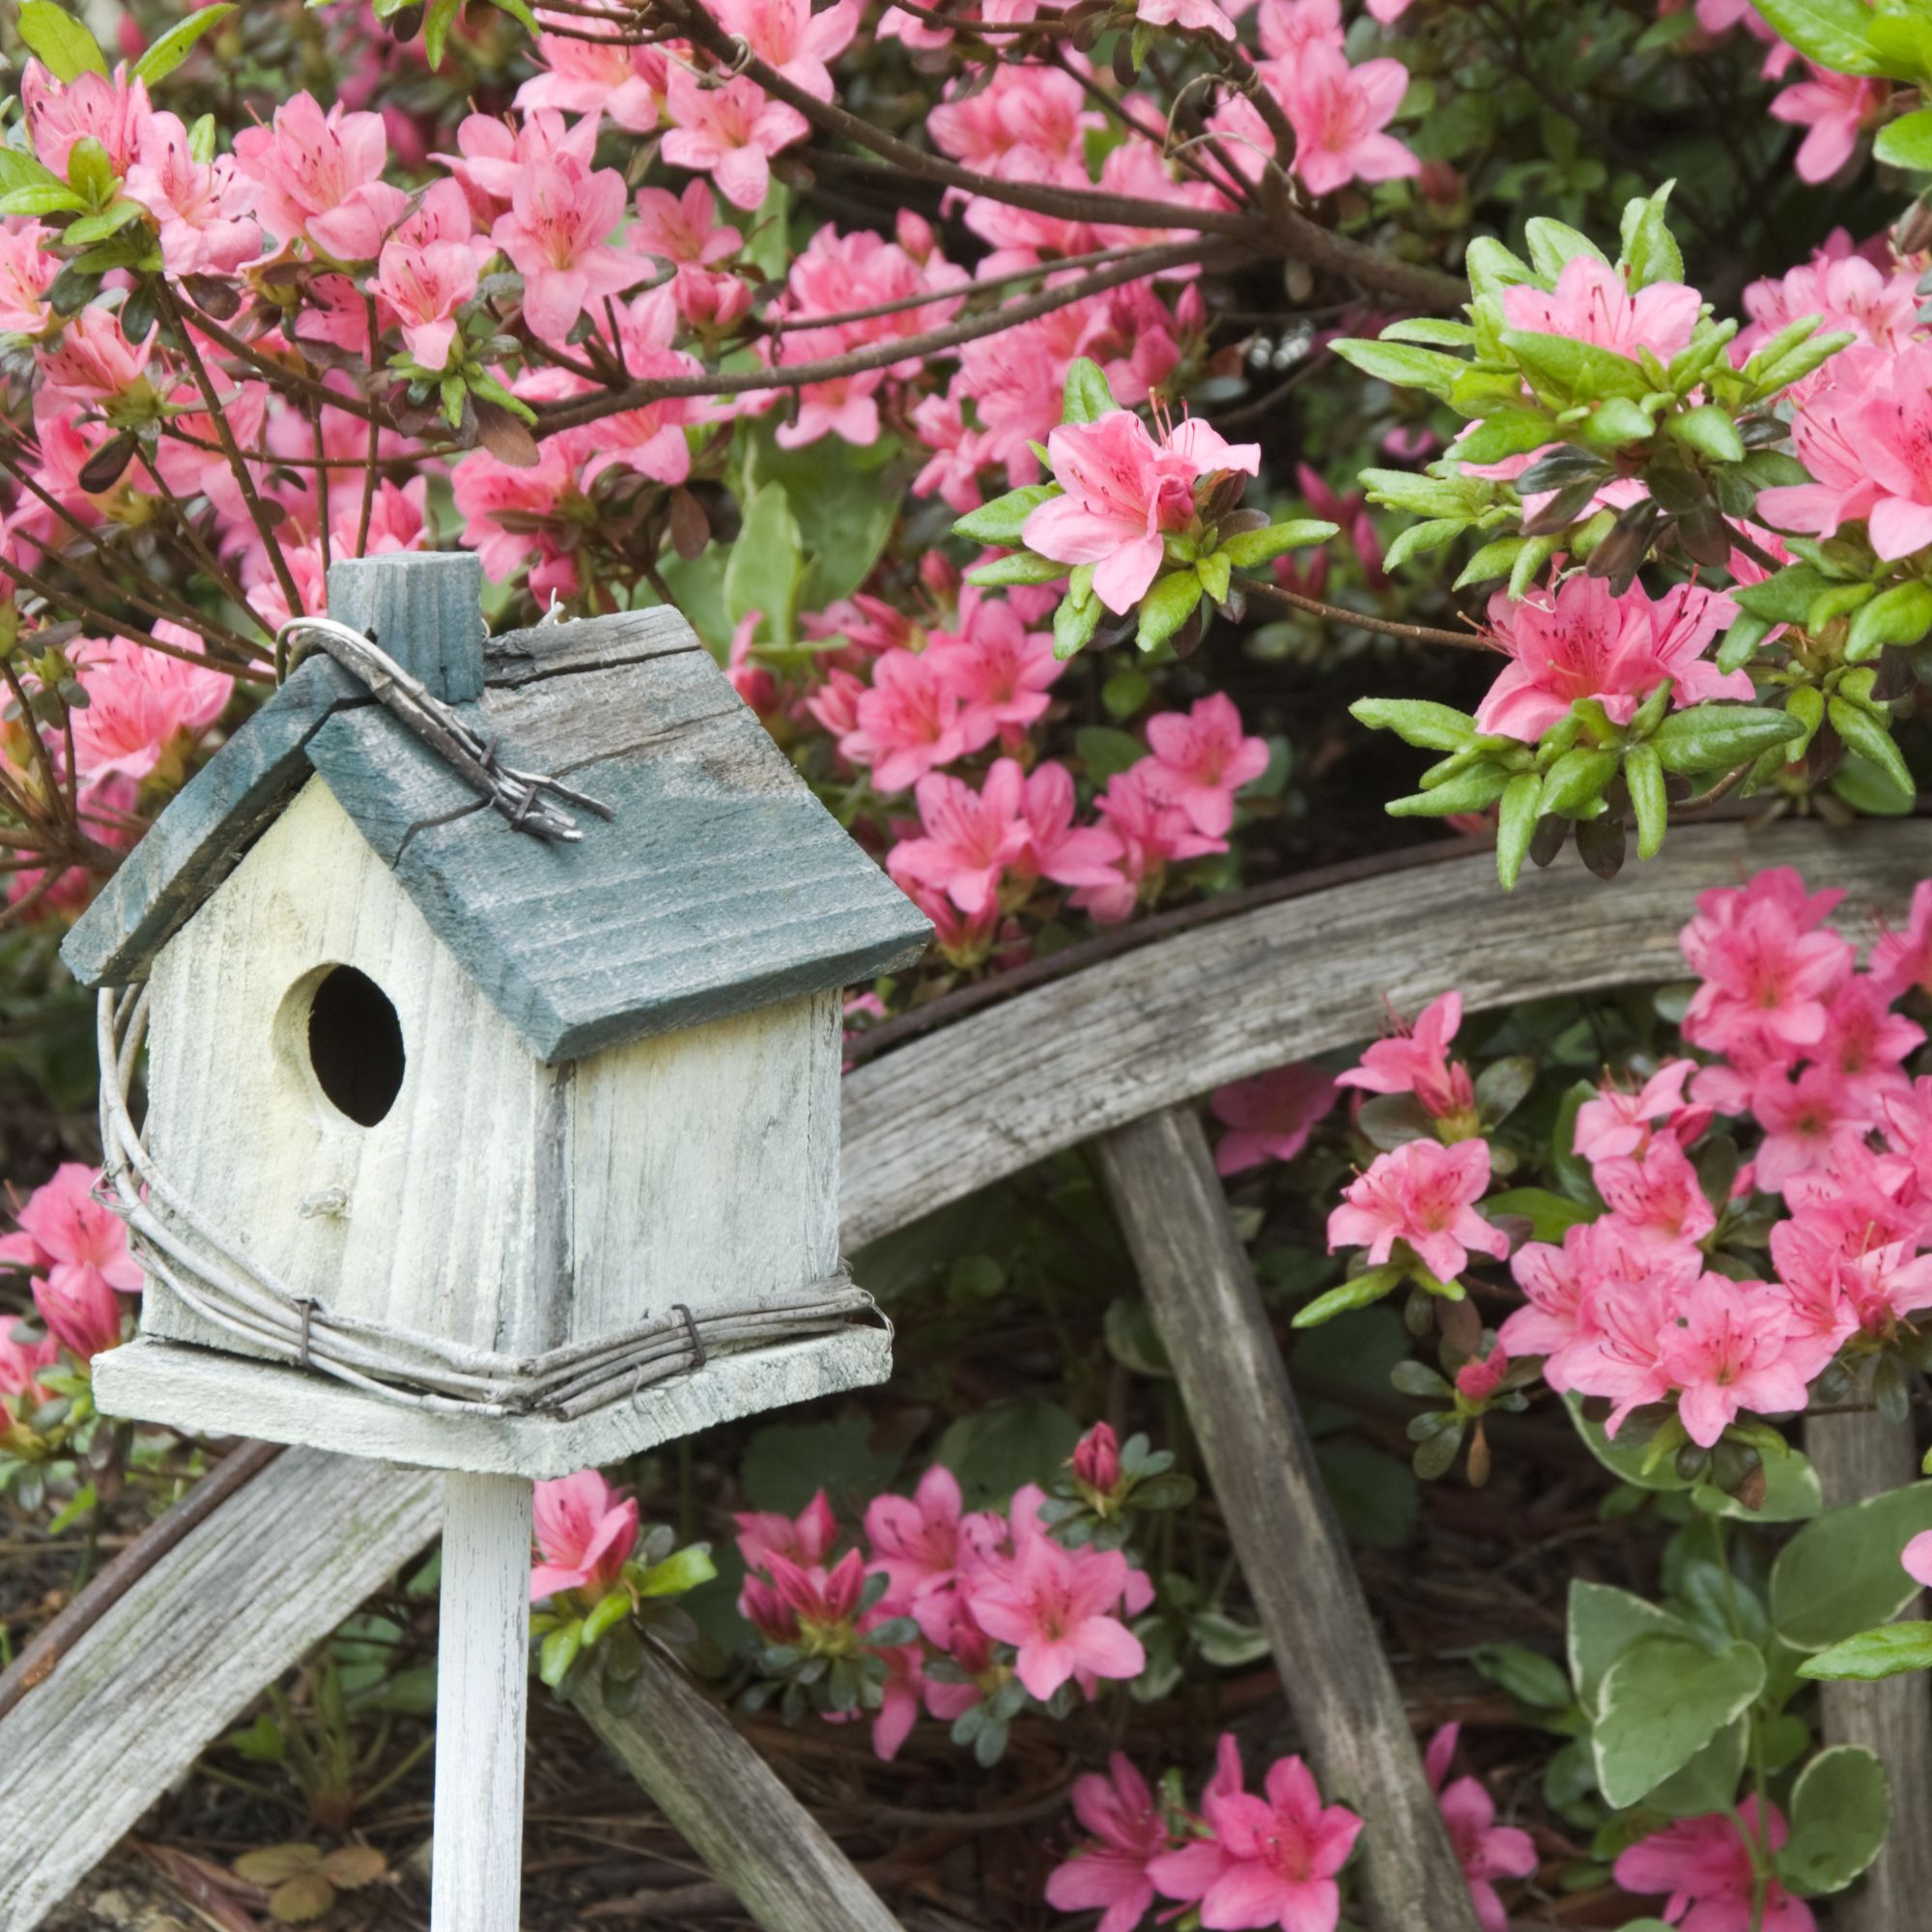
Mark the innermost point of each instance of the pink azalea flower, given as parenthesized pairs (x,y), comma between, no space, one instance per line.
(26,272)
(1000,671)
(65,1231)
(970,837)
(789,35)
(1121,490)
(492,154)
(1655,1195)
(1201,760)
(584,1535)
(1847,293)
(91,106)
(202,207)
(1417,1061)
(1895,422)
(1109,1868)
(1201,16)
(1055,848)
(1287,26)
(682,229)
(916,1541)
(804,1599)
(1488,1851)
(1836,108)
(1766,979)
(1918,1558)
(1806,1121)
(1339,113)
(1902,960)
(807,1538)
(81,1312)
(93,361)
(1095,1461)
(1619,1121)
(909,722)
(1587,643)
(426,284)
(555,231)
(1425,1194)
(1593,303)
(139,700)
(729,132)
(1829,434)
(582,78)
(1270,1117)
(20,1366)
(1480,1378)
(1270,1862)
(1730,1351)
(319,176)
(1056,1607)
(1704,1864)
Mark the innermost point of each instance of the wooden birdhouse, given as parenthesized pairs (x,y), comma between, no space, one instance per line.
(491,1124)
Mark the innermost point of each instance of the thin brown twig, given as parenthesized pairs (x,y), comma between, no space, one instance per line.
(1387,627)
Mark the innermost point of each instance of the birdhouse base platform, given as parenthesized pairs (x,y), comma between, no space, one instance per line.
(195,1388)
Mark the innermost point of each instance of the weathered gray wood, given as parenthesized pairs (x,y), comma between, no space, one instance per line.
(719,885)
(730,1804)
(174,1663)
(1201,1294)
(482,1680)
(423,608)
(206,829)
(1007,1086)
(554,650)
(1860,1456)
(197,1388)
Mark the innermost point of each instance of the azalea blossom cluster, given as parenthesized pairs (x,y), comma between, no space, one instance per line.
(964,1615)
(74,1252)
(1258,1859)
(1705,1288)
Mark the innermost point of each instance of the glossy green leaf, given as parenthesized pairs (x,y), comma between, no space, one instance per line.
(1840,1813)
(1842,1573)
(1659,1704)
(58,42)
(1889,1651)
(174,46)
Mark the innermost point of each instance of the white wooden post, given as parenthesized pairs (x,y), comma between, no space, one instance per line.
(482,1691)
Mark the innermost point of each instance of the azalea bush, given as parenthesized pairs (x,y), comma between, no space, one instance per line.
(1103,444)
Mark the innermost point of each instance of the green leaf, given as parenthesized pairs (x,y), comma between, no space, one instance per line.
(1579,371)
(1867,789)
(683,1569)
(1575,784)
(1889,1651)
(1256,546)
(1357,1292)
(1907,142)
(90,171)
(609,1612)
(1551,1216)
(1516,825)
(1552,245)
(1075,621)
(518,9)
(1405,367)
(994,1451)
(97,227)
(1643,774)
(174,46)
(1492,268)
(50,197)
(62,44)
(1172,600)
(1018,566)
(765,565)
(846,504)
(1105,752)
(1086,395)
(1432,331)
(1900,616)
(1840,1574)
(1792,1494)
(1786,597)
(1432,728)
(1376,1494)
(438,21)
(1525,1674)
(1834,33)
(1602,1623)
(787,1464)
(1709,431)
(1419,539)
(1840,1812)
(20,169)
(1473,790)
(559,1652)
(1001,521)
(1661,1703)
(1719,737)
(1627,1458)
(1650,251)
(1494,559)
(1870,739)
(1506,433)
(1709,1782)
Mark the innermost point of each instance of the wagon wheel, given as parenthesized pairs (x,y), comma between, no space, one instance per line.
(1110,1041)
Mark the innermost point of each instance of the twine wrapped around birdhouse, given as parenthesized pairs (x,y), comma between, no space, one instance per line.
(214,1276)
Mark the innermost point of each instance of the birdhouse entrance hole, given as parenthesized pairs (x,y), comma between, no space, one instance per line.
(355,1045)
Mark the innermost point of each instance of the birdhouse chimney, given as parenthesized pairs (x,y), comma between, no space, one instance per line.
(423,608)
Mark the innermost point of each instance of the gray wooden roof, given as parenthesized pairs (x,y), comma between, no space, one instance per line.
(720,885)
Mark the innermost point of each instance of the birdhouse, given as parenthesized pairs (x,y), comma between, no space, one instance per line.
(492,1122)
